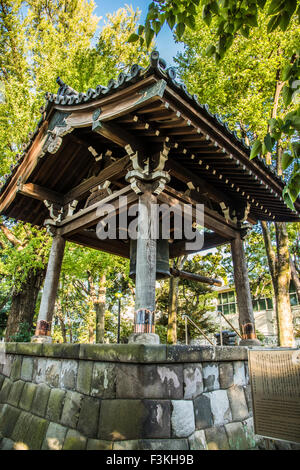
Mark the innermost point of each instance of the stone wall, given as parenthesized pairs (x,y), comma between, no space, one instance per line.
(133,396)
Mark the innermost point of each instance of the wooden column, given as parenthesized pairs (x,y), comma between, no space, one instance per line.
(43,327)
(145,268)
(242,287)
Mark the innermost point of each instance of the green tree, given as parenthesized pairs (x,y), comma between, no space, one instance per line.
(39,41)
(189,298)
(229,20)
(246,104)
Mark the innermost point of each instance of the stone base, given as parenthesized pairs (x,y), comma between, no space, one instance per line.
(144,338)
(249,342)
(126,397)
(41,339)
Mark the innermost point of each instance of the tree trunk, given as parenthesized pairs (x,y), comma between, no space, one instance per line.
(60,315)
(295,278)
(173,304)
(100,310)
(279,265)
(172,310)
(24,302)
(284,315)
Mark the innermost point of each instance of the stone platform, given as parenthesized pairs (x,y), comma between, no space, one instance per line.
(127,396)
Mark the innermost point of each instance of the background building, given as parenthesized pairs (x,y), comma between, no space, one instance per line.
(264,313)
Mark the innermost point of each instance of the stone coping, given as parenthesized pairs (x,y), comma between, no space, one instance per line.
(133,353)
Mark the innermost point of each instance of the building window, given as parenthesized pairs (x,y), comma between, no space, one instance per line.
(293,295)
(227,303)
(262,304)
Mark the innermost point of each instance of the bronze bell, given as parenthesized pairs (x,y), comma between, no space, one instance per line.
(162,259)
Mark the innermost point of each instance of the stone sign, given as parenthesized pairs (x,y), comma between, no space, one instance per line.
(275,384)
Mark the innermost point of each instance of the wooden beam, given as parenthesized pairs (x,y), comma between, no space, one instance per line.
(212,220)
(25,168)
(117,135)
(116,169)
(90,239)
(195,277)
(40,193)
(183,174)
(91,215)
(207,126)
(211,240)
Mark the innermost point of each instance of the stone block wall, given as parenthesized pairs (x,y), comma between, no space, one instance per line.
(115,397)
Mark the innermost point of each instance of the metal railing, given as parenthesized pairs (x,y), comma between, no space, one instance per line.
(187,318)
(230,324)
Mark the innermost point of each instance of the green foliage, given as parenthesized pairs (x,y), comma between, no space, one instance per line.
(194,299)
(241,87)
(24,334)
(231,17)
(79,292)
(39,41)
(225,22)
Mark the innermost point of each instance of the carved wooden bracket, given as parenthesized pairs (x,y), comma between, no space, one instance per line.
(58,213)
(142,171)
(98,193)
(55,212)
(238,215)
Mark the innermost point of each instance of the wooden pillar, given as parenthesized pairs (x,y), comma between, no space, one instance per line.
(43,326)
(242,288)
(145,267)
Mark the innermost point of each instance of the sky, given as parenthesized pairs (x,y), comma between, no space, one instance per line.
(164,42)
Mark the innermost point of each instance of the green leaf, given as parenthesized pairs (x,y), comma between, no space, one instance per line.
(295,122)
(210,50)
(217,57)
(296,149)
(287,198)
(256,149)
(284,21)
(141,29)
(273,23)
(192,9)
(156,25)
(171,20)
(133,37)
(206,14)
(191,22)
(252,20)
(294,186)
(272,123)
(286,160)
(245,31)
(180,28)
(261,3)
(237,24)
(264,149)
(214,7)
(290,6)
(149,34)
(220,28)
(276,6)
(287,93)
(268,143)
(286,72)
